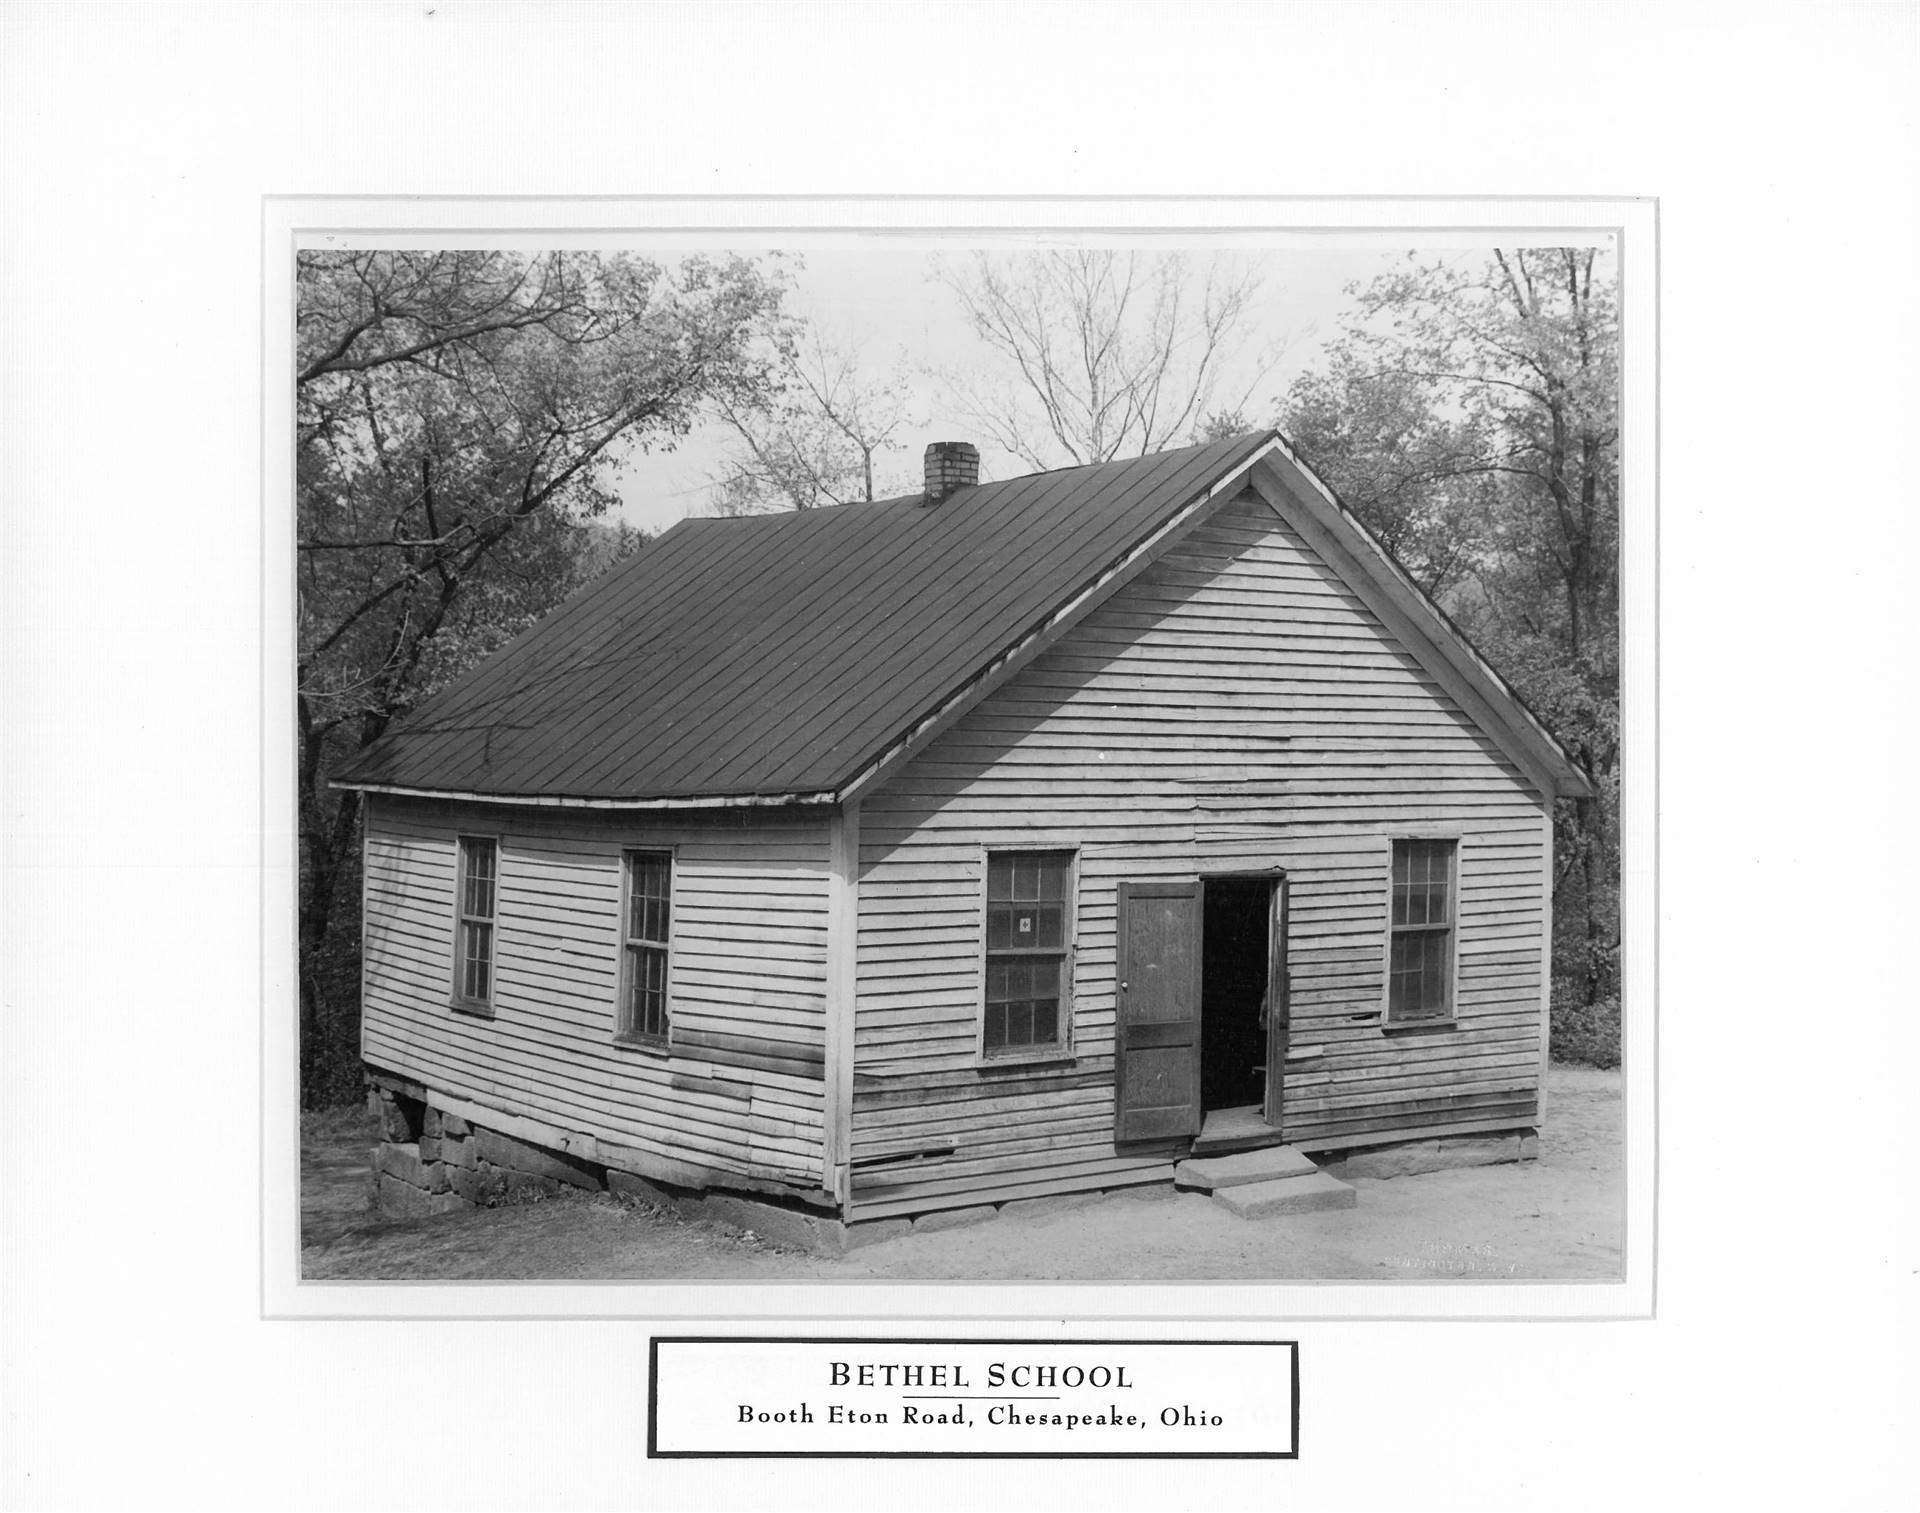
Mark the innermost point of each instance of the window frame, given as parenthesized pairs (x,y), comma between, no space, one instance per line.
(1061,1048)
(1448,1016)
(462,1001)
(624,1032)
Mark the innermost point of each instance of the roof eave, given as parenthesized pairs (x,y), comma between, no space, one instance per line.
(574,801)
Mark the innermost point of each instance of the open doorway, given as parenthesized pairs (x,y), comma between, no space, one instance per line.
(1234,956)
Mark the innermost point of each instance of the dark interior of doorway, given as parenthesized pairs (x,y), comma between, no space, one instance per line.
(1233,986)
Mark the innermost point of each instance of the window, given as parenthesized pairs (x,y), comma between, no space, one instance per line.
(1028,925)
(1420,932)
(644,935)
(473,937)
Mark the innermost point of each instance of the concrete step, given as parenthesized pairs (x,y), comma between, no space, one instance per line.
(1288,1195)
(1273,1164)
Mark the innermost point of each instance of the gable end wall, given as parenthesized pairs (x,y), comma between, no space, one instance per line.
(1237,705)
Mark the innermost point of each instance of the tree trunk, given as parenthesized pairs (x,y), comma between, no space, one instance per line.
(329,836)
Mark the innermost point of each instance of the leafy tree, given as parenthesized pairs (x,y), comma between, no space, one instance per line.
(1109,354)
(457,418)
(822,436)
(1469,414)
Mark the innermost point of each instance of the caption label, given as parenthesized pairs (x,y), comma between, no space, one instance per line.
(801,1397)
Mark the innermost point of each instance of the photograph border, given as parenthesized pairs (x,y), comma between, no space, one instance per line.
(668,223)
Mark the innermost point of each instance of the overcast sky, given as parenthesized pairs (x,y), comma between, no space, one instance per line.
(889,301)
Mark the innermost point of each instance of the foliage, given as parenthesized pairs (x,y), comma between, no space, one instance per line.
(821,436)
(457,415)
(1109,353)
(1468,414)
(1587,1034)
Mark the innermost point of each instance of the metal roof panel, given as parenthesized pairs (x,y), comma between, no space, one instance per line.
(780,654)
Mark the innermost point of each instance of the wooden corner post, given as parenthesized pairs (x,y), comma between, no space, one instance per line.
(843,925)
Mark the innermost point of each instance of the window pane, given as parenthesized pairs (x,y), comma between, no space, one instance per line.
(1046,1021)
(646,991)
(1047,930)
(649,892)
(1418,987)
(477,867)
(999,878)
(478,958)
(999,927)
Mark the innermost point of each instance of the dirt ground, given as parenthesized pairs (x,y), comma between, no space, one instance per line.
(1560,1217)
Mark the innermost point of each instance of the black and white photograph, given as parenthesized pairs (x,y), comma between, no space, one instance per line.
(1084,762)
(816,754)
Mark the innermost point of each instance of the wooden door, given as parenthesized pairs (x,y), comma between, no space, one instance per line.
(1278,1011)
(1157,1011)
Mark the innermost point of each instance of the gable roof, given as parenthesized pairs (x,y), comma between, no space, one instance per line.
(796,657)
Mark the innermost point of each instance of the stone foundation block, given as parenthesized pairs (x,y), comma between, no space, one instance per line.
(518,1156)
(429,1148)
(402,1162)
(402,1200)
(953,1218)
(430,1124)
(454,1125)
(1529,1146)
(769,1221)
(1416,1156)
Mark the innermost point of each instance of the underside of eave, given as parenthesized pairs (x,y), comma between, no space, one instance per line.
(1293,490)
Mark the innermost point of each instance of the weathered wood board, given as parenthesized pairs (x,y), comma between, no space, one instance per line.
(1237,705)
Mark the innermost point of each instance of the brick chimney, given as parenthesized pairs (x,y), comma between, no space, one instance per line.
(951,466)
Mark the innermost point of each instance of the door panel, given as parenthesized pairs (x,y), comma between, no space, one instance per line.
(1279,1003)
(1157,1011)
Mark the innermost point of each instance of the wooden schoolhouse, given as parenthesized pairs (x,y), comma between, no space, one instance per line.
(1003,840)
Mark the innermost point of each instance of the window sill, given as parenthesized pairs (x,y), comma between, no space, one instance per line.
(1416,1026)
(1059,1058)
(645,1044)
(471,1009)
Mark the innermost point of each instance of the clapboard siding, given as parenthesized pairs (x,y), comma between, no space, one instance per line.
(740,1091)
(1237,705)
